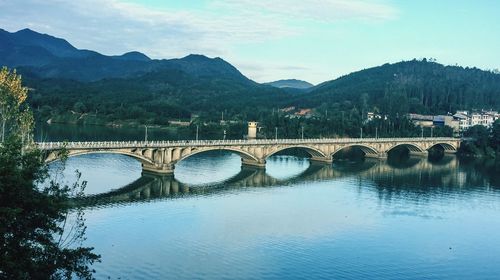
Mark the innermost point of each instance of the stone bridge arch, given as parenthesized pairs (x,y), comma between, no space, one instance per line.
(314,152)
(188,152)
(165,159)
(414,149)
(367,149)
(53,156)
(447,147)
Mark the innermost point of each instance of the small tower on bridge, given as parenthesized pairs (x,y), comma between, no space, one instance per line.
(252,130)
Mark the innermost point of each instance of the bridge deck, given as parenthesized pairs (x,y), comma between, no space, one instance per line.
(204,143)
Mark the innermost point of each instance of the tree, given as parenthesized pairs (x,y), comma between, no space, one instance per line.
(495,136)
(79,107)
(483,141)
(480,134)
(12,95)
(35,242)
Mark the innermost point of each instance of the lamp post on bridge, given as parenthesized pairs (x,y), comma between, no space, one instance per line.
(361,134)
(276,133)
(376,132)
(146,133)
(196,132)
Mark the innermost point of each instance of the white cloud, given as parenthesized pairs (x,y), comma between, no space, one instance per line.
(321,10)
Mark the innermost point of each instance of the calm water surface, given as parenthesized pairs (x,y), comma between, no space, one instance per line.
(363,220)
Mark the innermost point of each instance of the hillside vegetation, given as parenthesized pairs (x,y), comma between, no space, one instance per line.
(418,86)
(83,86)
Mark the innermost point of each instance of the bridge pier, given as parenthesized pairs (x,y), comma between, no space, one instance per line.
(419,154)
(381,155)
(260,164)
(321,160)
(162,169)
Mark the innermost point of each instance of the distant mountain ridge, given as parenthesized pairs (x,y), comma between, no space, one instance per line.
(46,56)
(290,83)
(133,56)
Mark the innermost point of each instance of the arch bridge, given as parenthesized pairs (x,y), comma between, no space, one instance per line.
(161,156)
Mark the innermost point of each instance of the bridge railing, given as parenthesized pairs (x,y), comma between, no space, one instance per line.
(195,143)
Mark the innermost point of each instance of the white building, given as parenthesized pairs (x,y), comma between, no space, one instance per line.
(484,118)
(475,119)
(489,117)
(463,120)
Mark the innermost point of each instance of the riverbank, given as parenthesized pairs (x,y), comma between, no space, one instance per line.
(55,131)
(74,118)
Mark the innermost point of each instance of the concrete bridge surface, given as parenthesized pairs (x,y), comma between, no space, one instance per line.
(161,156)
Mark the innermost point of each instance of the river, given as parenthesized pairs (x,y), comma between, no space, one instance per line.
(371,219)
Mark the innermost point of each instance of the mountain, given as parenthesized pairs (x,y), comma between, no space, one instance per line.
(202,66)
(290,83)
(73,85)
(45,56)
(419,86)
(137,56)
(133,86)
(27,38)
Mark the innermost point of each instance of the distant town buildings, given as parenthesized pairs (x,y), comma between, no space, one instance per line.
(483,117)
(303,112)
(460,121)
(179,123)
(370,116)
(288,109)
(293,112)
(422,120)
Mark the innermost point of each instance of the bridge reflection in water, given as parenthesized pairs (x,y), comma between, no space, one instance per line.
(416,175)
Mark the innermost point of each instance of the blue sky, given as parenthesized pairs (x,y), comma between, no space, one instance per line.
(314,40)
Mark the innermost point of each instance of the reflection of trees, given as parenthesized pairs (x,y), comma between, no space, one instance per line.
(418,177)
(485,169)
(427,179)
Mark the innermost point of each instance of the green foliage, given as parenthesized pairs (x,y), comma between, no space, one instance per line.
(495,136)
(32,232)
(12,96)
(339,106)
(79,107)
(154,98)
(34,238)
(482,141)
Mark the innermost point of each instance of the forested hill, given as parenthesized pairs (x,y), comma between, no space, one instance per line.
(411,86)
(153,98)
(68,82)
